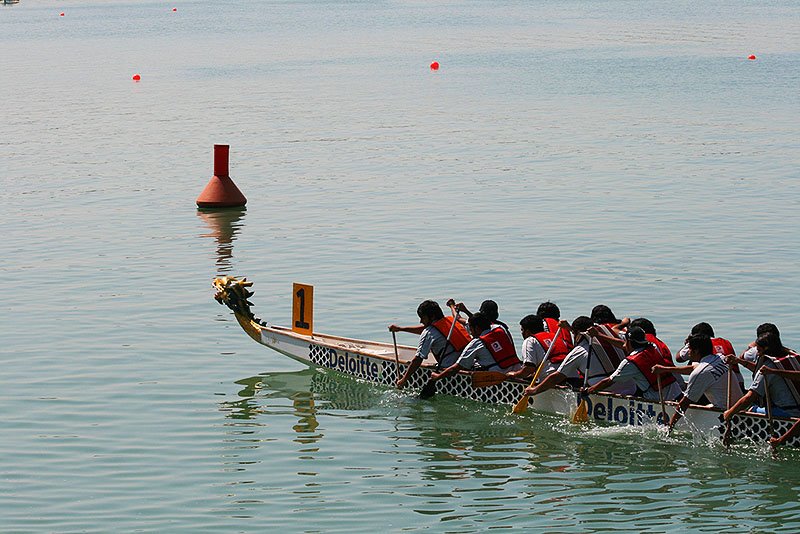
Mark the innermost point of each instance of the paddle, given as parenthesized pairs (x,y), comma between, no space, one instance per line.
(522,404)
(396,355)
(429,389)
(726,436)
(769,406)
(661,399)
(485,379)
(581,414)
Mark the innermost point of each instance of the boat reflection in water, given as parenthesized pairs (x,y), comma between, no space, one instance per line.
(223,225)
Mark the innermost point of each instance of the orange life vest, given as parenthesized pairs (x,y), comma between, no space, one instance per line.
(662,348)
(500,346)
(560,350)
(551,325)
(723,347)
(459,338)
(644,360)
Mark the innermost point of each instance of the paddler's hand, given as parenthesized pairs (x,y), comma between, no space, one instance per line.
(401,383)
(450,303)
(436,376)
(563,323)
(768,370)
(726,415)
(530,392)
(593,331)
(394,328)
(658,369)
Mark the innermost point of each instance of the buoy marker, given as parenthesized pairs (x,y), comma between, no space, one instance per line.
(435,65)
(220,191)
(751,57)
(62,14)
(174,9)
(136,77)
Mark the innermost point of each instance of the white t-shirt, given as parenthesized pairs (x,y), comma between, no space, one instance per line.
(627,372)
(476,352)
(575,362)
(683,356)
(710,377)
(433,341)
(533,353)
(779,393)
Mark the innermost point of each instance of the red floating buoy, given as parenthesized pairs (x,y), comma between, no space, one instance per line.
(220,191)
(435,65)
(136,77)
(174,9)
(751,57)
(62,14)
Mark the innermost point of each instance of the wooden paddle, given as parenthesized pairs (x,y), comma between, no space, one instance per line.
(522,403)
(661,399)
(396,355)
(485,379)
(429,389)
(769,406)
(581,414)
(726,436)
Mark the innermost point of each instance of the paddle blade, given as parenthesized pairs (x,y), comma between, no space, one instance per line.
(428,390)
(521,405)
(485,379)
(581,415)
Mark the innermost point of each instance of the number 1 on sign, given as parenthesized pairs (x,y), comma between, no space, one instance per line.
(303,309)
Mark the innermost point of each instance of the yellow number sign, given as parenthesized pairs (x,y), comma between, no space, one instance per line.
(303,309)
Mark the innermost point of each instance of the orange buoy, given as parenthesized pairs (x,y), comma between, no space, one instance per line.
(136,77)
(435,65)
(751,57)
(220,191)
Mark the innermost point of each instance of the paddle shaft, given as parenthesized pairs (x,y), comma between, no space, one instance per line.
(768,406)
(726,437)
(396,354)
(661,399)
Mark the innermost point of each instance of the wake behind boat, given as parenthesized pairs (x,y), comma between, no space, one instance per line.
(378,363)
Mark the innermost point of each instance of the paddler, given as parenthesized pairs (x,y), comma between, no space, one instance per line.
(783,392)
(433,332)
(488,308)
(708,376)
(637,367)
(551,315)
(722,346)
(536,341)
(574,365)
(749,357)
(490,349)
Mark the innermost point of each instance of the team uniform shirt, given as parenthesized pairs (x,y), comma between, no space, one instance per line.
(751,354)
(627,372)
(533,354)
(683,356)
(575,363)
(433,341)
(710,378)
(779,394)
(476,353)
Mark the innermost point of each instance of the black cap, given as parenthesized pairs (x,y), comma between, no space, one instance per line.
(637,337)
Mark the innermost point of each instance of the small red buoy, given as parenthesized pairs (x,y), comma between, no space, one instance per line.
(751,57)
(220,191)
(62,14)
(174,9)
(136,77)
(435,65)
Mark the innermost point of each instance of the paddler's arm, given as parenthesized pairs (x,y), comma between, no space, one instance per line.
(622,325)
(453,369)
(617,342)
(410,329)
(683,405)
(789,433)
(552,380)
(794,375)
(600,386)
(742,404)
(681,370)
(457,309)
(410,370)
(731,358)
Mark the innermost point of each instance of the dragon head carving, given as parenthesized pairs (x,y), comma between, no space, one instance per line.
(233,293)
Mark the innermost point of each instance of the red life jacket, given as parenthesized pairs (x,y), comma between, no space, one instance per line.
(459,338)
(644,360)
(500,346)
(662,348)
(551,325)
(723,347)
(560,350)
(791,362)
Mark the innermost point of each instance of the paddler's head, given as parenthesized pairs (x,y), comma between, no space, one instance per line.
(489,309)
(635,339)
(700,346)
(602,314)
(530,325)
(429,312)
(478,324)
(580,325)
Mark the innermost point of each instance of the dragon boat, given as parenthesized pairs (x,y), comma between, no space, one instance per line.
(377,362)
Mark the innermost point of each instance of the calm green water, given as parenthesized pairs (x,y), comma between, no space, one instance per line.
(580,151)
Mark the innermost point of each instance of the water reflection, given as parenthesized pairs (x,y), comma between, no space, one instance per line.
(223,225)
(317,436)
